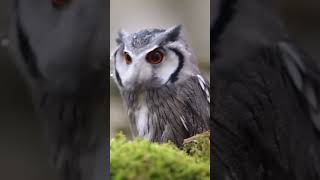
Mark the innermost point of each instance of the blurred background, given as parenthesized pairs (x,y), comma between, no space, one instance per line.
(133,16)
(22,151)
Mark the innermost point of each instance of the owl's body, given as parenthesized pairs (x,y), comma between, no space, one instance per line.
(166,96)
(59,47)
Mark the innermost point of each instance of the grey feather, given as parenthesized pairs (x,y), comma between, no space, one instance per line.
(306,82)
(293,63)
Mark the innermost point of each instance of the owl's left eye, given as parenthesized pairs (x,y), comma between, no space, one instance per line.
(155,56)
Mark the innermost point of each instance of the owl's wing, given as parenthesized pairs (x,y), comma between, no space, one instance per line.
(195,102)
(262,100)
(305,76)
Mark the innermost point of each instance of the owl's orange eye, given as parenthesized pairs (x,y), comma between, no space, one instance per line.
(127,58)
(59,3)
(155,56)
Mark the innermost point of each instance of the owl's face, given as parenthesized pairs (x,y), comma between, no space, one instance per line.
(152,58)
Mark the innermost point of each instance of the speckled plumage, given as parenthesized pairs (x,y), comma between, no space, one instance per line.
(142,38)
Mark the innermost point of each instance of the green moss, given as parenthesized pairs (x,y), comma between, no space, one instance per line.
(199,147)
(142,160)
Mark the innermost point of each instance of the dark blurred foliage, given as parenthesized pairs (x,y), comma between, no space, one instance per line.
(22,151)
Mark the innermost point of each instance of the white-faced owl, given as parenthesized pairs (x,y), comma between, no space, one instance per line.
(166,96)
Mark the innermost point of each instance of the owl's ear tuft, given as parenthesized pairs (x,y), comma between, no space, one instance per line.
(121,35)
(119,41)
(172,34)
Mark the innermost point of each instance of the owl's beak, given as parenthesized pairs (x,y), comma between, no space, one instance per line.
(138,76)
(132,77)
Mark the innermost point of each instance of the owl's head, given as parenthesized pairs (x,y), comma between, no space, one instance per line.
(152,58)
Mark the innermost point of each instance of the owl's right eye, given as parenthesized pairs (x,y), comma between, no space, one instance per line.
(127,58)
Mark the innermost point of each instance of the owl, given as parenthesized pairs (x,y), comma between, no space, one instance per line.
(62,58)
(166,96)
(266,118)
